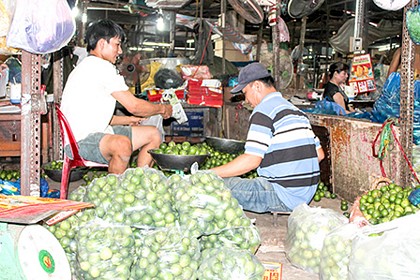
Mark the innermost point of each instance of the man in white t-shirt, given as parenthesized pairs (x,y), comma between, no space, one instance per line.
(89,100)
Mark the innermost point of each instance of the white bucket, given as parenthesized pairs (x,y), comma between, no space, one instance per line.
(31,253)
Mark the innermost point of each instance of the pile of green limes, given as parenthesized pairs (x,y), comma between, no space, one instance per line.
(386,203)
(322,191)
(9,175)
(185,148)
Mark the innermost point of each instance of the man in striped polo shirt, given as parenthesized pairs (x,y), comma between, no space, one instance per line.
(280,144)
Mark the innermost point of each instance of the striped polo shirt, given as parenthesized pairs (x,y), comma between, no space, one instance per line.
(282,135)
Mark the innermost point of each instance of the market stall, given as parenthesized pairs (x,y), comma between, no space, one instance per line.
(176,220)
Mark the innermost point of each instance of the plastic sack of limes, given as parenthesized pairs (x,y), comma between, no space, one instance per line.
(387,251)
(104,250)
(229,264)
(336,251)
(205,205)
(306,231)
(158,202)
(165,253)
(139,197)
(416,159)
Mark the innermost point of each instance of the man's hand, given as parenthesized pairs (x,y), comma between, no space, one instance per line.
(167,111)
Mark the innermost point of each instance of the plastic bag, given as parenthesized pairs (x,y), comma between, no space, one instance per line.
(139,197)
(41,26)
(387,251)
(229,264)
(412,20)
(335,254)
(306,231)
(165,253)
(327,107)
(205,205)
(104,251)
(167,78)
(245,238)
(156,121)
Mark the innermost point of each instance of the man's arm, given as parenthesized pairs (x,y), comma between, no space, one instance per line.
(239,166)
(140,107)
(125,120)
(320,153)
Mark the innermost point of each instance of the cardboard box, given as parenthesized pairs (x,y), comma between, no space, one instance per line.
(273,271)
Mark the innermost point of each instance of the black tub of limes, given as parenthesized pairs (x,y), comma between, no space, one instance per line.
(179,156)
(54,170)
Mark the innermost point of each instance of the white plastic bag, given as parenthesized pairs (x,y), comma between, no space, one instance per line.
(335,254)
(41,26)
(156,121)
(387,251)
(306,231)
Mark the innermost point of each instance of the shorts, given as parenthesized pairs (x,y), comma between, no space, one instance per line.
(89,146)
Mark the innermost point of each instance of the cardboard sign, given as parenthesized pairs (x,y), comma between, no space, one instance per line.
(273,271)
(361,75)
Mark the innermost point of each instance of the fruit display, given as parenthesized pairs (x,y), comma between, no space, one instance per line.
(185,148)
(215,158)
(229,264)
(9,175)
(166,253)
(386,203)
(205,206)
(142,215)
(307,229)
(54,169)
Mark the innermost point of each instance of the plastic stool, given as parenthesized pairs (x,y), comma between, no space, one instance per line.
(67,138)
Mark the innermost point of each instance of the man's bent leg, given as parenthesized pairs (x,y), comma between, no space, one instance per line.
(257,195)
(117,150)
(145,138)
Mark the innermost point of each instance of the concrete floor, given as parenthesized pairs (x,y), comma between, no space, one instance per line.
(273,234)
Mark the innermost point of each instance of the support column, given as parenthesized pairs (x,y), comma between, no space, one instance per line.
(406,99)
(30,124)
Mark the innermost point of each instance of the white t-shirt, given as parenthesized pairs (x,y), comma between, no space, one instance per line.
(87,102)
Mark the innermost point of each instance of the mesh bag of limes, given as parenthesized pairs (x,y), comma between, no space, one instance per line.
(147,226)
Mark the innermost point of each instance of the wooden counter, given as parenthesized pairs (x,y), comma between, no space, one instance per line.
(10,135)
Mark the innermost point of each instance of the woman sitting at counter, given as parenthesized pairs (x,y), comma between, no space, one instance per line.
(334,89)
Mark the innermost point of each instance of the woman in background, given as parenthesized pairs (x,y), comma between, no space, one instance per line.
(334,89)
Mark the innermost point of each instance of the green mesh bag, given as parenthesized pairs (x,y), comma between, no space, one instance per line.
(413,24)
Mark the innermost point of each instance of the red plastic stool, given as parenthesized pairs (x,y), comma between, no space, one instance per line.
(67,138)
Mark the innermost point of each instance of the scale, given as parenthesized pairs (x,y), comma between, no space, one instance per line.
(31,253)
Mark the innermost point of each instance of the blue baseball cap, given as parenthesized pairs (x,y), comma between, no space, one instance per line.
(250,73)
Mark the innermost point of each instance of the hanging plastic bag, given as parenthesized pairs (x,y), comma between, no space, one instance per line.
(412,20)
(41,26)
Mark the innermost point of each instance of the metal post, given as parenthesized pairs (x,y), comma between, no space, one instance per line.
(259,41)
(359,23)
(406,99)
(172,34)
(301,46)
(30,124)
(58,91)
(223,23)
(276,52)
